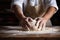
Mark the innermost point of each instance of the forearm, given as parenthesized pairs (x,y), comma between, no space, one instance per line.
(18,12)
(49,13)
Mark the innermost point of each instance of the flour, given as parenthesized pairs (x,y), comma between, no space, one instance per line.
(18,32)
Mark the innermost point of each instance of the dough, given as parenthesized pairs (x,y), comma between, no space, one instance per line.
(32,26)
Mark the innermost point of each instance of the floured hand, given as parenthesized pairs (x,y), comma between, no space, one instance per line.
(41,23)
(25,23)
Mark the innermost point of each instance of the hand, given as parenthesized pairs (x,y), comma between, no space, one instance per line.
(42,23)
(31,23)
(26,23)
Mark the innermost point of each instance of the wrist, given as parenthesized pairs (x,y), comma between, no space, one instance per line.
(46,18)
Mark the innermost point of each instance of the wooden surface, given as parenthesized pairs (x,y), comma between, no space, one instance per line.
(15,31)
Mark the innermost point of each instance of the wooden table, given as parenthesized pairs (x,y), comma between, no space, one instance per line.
(25,36)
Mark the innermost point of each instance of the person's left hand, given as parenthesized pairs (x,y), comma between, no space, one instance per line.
(42,23)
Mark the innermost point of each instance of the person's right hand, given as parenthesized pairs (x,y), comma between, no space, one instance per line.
(26,23)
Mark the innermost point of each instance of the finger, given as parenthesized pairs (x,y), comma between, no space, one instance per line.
(25,28)
(38,23)
(44,25)
(23,24)
(37,20)
(28,29)
(27,22)
(40,26)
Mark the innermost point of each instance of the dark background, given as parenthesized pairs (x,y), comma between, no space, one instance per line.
(8,18)
(56,18)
